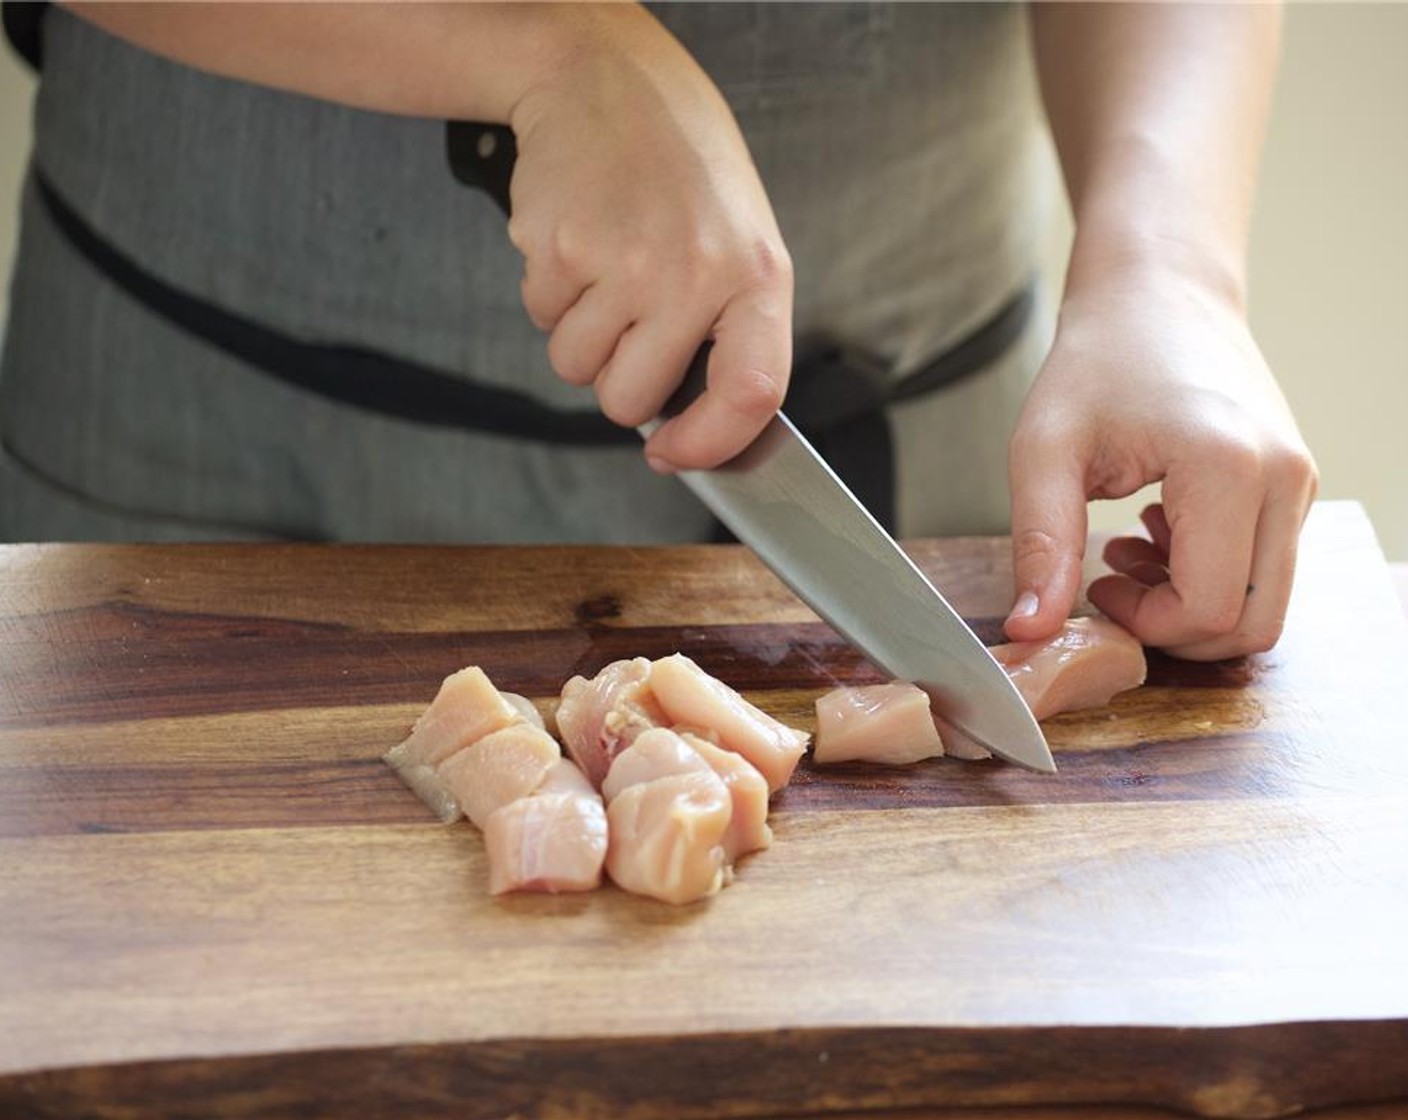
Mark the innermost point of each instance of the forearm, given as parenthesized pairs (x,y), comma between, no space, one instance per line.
(465,61)
(1159,112)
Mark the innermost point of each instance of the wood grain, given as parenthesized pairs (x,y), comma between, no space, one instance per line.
(215,900)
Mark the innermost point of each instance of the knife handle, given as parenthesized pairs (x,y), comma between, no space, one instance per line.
(482,156)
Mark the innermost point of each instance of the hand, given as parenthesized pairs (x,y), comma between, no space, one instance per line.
(645,229)
(1154,376)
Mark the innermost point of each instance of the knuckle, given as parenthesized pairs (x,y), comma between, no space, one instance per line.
(568,361)
(568,251)
(620,412)
(1213,617)
(1263,637)
(638,264)
(1033,543)
(1235,456)
(536,308)
(1296,468)
(769,263)
(753,392)
(702,263)
(620,407)
(1037,438)
(521,235)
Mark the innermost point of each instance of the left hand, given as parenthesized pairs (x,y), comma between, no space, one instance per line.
(1154,376)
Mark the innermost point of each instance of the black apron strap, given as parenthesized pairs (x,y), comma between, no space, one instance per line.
(837,397)
(24,28)
(352,375)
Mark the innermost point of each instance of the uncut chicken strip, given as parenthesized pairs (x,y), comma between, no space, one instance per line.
(1084,666)
(885,723)
(599,718)
(499,768)
(690,697)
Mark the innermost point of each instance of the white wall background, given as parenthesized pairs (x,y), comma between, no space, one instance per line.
(1329,271)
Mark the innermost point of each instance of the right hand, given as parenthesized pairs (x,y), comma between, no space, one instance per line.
(645,230)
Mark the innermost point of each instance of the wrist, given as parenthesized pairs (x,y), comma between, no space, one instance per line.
(1144,213)
(576,44)
(1147,261)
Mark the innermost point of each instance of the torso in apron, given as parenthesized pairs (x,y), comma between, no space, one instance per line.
(897,144)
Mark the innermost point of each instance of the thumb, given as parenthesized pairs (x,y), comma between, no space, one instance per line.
(1048,539)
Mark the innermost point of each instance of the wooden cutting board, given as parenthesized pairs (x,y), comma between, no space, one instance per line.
(216,900)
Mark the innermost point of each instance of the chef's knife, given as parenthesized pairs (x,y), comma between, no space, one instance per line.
(781,499)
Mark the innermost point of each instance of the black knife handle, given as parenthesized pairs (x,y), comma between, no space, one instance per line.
(482,155)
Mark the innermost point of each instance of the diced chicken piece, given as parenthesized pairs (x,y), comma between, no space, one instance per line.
(689,697)
(748,829)
(466,708)
(1084,666)
(499,768)
(886,723)
(599,718)
(660,753)
(666,837)
(564,776)
(656,753)
(527,709)
(549,842)
(425,782)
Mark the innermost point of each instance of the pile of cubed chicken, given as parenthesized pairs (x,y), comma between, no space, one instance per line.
(668,771)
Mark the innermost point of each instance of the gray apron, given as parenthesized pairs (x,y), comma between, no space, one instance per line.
(899,147)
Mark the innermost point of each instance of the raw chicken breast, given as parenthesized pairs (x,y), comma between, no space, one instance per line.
(466,708)
(959,745)
(887,723)
(660,753)
(527,709)
(425,782)
(1083,666)
(656,753)
(564,776)
(748,829)
(499,768)
(666,837)
(598,718)
(549,842)
(689,697)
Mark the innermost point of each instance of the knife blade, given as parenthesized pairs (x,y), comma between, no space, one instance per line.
(781,499)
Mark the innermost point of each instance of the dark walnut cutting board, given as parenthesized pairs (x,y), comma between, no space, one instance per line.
(215,900)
